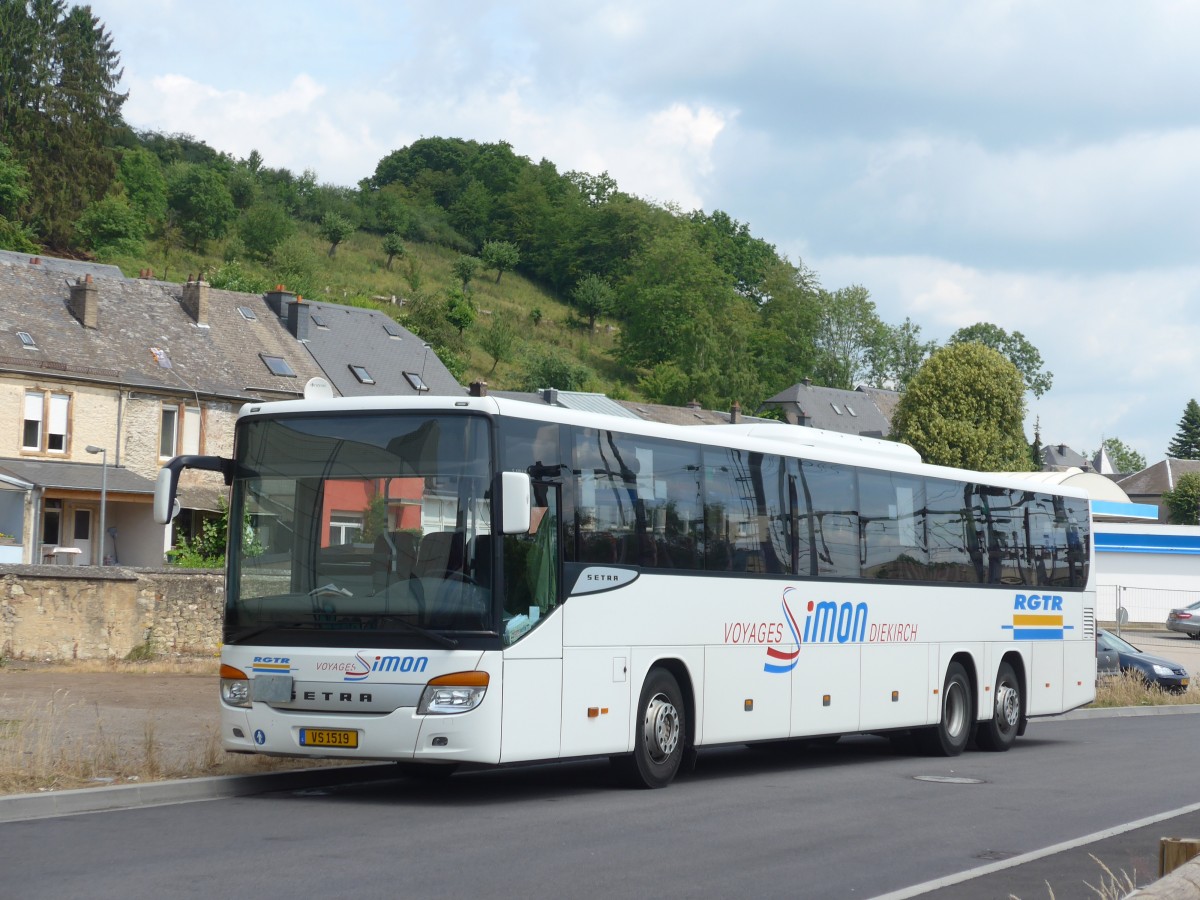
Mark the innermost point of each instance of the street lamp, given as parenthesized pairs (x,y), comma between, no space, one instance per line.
(103,490)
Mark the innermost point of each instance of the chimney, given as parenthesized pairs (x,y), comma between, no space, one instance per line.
(297,319)
(195,299)
(85,302)
(693,404)
(806,381)
(550,395)
(735,413)
(478,388)
(1062,449)
(35,260)
(277,298)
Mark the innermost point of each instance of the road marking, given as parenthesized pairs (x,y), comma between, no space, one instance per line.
(917,889)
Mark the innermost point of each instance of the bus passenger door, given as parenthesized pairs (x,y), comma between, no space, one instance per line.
(533,664)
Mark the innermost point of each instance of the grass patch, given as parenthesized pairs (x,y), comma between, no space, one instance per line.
(47,748)
(1128,689)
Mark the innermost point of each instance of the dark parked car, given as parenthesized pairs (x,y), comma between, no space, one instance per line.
(1115,655)
(1186,620)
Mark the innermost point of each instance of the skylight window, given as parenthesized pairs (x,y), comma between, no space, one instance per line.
(837,409)
(247,313)
(27,340)
(850,409)
(278,366)
(392,329)
(362,374)
(416,381)
(318,321)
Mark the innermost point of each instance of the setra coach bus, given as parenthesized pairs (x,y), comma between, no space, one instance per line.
(442,581)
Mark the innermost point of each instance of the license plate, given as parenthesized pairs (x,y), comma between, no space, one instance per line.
(328,737)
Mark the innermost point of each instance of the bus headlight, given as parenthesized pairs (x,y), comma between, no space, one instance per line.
(450,694)
(235,687)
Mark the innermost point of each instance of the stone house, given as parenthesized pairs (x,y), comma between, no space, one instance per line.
(104,378)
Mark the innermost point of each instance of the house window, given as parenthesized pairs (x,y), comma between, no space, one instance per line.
(46,422)
(416,381)
(27,340)
(362,374)
(177,440)
(247,313)
(345,528)
(278,366)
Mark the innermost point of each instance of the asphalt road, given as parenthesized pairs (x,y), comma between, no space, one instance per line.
(855,820)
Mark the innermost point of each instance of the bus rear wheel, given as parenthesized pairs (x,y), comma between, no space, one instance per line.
(949,737)
(660,738)
(999,732)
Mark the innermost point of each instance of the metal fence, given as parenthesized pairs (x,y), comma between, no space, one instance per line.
(1141,604)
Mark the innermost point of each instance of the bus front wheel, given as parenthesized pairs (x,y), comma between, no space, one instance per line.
(949,737)
(1000,731)
(660,736)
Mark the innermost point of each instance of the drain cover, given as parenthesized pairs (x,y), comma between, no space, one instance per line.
(948,779)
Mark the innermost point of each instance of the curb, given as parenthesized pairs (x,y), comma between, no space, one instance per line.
(48,804)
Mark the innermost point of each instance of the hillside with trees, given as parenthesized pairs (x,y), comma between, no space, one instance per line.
(514,271)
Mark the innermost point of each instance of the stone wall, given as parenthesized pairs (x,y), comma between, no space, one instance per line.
(87,612)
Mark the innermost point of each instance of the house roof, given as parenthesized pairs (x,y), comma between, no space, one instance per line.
(76,476)
(341,336)
(683,415)
(832,409)
(141,321)
(1060,456)
(1155,480)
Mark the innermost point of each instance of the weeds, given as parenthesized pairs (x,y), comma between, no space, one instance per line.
(1129,689)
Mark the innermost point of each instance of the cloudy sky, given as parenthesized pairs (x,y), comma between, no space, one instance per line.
(1035,165)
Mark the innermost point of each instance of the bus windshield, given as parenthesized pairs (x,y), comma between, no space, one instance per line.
(377,522)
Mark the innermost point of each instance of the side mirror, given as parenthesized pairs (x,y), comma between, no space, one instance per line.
(517,495)
(166,507)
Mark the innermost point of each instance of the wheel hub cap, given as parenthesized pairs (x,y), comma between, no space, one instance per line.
(1008,706)
(661,727)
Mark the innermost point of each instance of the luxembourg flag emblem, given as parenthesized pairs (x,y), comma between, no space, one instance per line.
(1030,627)
(787,661)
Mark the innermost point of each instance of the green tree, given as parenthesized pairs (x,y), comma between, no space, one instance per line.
(501,256)
(553,369)
(1123,457)
(465,268)
(1186,443)
(965,408)
(111,226)
(60,111)
(900,356)
(850,338)
(199,196)
(14,189)
(593,296)
(263,227)
(1183,503)
(499,341)
(1014,347)
(294,263)
(335,228)
(393,246)
(145,185)
(460,311)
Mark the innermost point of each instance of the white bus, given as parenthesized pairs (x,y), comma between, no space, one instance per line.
(442,581)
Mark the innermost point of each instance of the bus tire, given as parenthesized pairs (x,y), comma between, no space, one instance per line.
(957,719)
(999,732)
(660,734)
